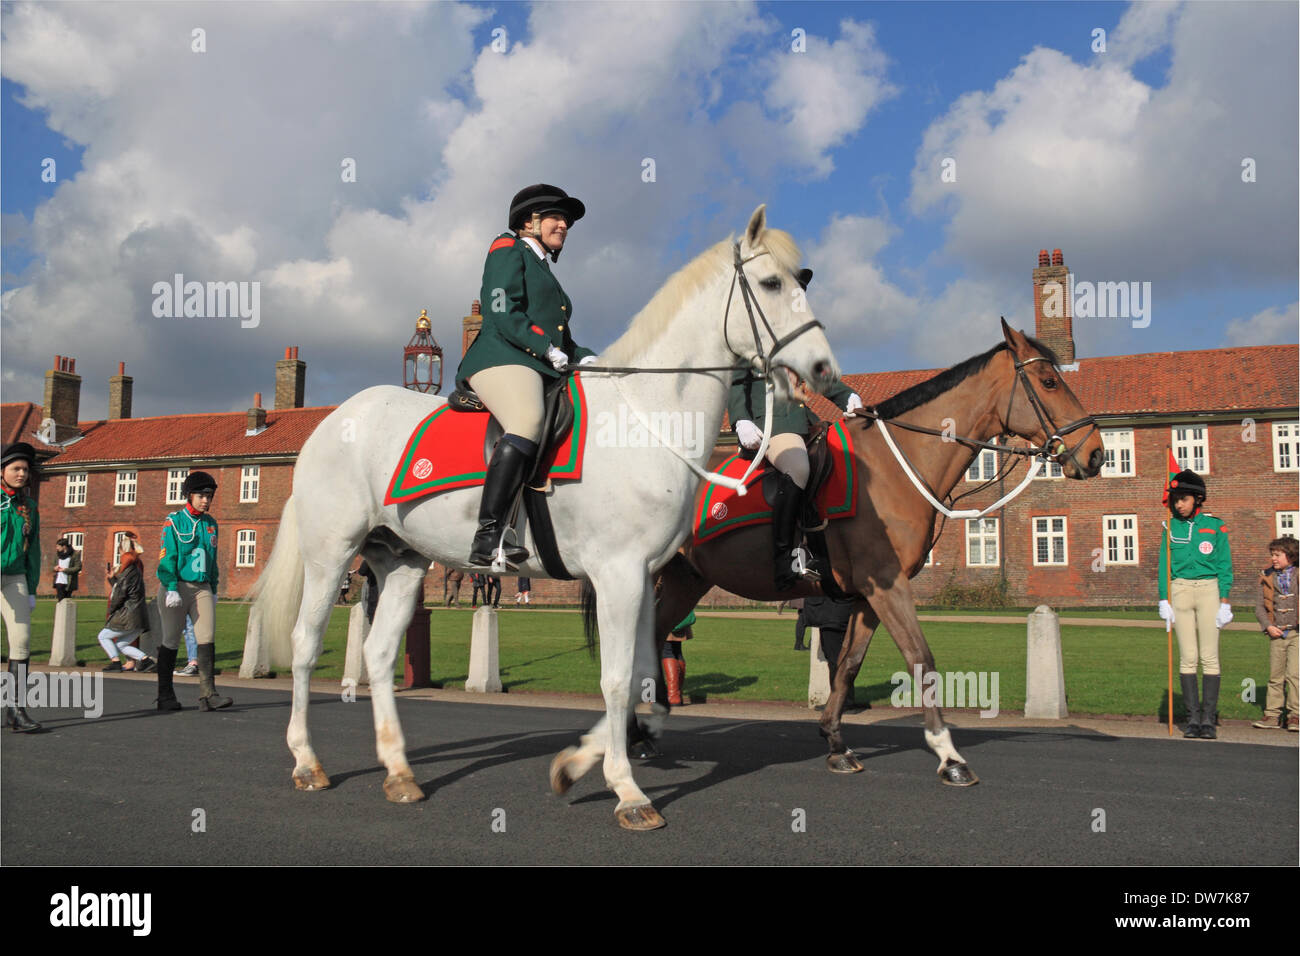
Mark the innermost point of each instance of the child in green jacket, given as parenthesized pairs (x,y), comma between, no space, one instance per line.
(20,571)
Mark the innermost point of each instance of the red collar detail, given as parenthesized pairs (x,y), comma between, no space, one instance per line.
(193,513)
(7,490)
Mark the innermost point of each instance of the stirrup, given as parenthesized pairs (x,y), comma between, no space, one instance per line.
(801,565)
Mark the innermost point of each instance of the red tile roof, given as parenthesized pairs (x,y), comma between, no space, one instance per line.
(19,421)
(184,437)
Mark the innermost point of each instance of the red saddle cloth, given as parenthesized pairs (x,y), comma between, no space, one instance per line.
(446,451)
(719,510)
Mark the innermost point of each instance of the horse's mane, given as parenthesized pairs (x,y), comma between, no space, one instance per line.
(932,388)
(648,324)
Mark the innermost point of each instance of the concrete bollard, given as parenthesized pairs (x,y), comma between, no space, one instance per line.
(354,660)
(63,648)
(819,670)
(151,639)
(484,665)
(1044,669)
(257,651)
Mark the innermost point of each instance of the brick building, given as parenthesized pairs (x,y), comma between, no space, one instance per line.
(1230,414)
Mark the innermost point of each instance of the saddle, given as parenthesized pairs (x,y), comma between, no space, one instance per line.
(820,466)
(557,422)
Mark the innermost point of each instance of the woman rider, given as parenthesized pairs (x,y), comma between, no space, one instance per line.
(787,450)
(525,337)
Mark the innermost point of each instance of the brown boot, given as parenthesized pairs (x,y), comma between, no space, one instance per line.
(673,678)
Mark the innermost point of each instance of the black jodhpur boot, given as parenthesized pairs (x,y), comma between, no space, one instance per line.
(16,716)
(209,699)
(785,517)
(505,475)
(1192,704)
(1210,706)
(166,694)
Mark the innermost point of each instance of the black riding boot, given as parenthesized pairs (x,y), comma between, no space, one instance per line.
(505,474)
(1191,705)
(16,716)
(166,694)
(209,699)
(1210,706)
(785,517)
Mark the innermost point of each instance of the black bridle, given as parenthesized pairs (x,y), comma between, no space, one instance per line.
(1045,420)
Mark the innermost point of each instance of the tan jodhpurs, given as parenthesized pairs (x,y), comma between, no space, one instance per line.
(197,602)
(17,616)
(790,455)
(513,393)
(1196,606)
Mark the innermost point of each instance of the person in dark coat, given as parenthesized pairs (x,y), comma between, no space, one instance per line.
(831,618)
(126,615)
(524,340)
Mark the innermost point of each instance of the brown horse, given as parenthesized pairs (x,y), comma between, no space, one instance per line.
(1013,388)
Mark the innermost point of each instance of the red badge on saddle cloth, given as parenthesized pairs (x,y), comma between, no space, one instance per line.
(446,451)
(719,510)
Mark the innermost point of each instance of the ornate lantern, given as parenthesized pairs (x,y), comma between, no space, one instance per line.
(422,359)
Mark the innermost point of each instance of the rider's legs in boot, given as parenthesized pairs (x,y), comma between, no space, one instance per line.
(788,453)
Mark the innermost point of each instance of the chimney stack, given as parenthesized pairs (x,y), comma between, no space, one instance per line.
(63,397)
(1053,308)
(470,326)
(119,393)
(290,380)
(256,417)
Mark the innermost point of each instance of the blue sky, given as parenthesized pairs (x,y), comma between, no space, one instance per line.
(224,165)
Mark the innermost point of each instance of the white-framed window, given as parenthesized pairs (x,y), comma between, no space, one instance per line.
(125,488)
(982,542)
(1118,443)
(75,538)
(1049,540)
(1191,446)
(246,549)
(249,478)
(175,481)
(985,465)
(1120,538)
(1285,435)
(74,494)
(1049,470)
(1286,524)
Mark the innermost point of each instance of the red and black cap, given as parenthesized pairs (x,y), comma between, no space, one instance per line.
(1186,482)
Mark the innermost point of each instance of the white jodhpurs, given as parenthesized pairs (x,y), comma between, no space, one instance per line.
(513,393)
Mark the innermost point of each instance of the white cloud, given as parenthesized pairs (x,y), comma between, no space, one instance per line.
(1274,326)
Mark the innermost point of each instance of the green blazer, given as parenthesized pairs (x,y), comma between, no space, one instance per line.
(788,418)
(525,312)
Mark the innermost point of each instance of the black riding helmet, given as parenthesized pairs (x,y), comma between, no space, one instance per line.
(196,482)
(1186,482)
(19,451)
(543,199)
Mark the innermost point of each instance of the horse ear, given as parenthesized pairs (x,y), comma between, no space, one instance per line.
(1009,334)
(757,225)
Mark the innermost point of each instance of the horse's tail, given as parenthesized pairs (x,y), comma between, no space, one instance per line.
(278,592)
(588,602)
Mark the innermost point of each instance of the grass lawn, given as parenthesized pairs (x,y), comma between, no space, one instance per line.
(1108,670)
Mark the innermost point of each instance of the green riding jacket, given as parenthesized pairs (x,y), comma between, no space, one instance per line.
(1199,549)
(189,550)
(20,537)
(525,312)
(747,402)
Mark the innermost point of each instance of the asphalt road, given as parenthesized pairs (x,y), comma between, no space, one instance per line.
(133,787)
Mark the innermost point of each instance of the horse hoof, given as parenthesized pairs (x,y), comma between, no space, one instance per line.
(643,750)
(311,778)
(401,788)
(843,763)
(561,779)
(644,817)
(957,775)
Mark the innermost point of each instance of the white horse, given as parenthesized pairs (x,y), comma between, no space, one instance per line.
(615,528)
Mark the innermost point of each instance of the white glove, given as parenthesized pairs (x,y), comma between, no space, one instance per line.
(1166,612)
(749,434)
(587,360)
(1224,617)
(557,358)
(855,402)
(31,602)
(173,599)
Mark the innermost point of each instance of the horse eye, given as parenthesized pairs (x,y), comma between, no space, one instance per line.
(772,284)
(1049,383)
